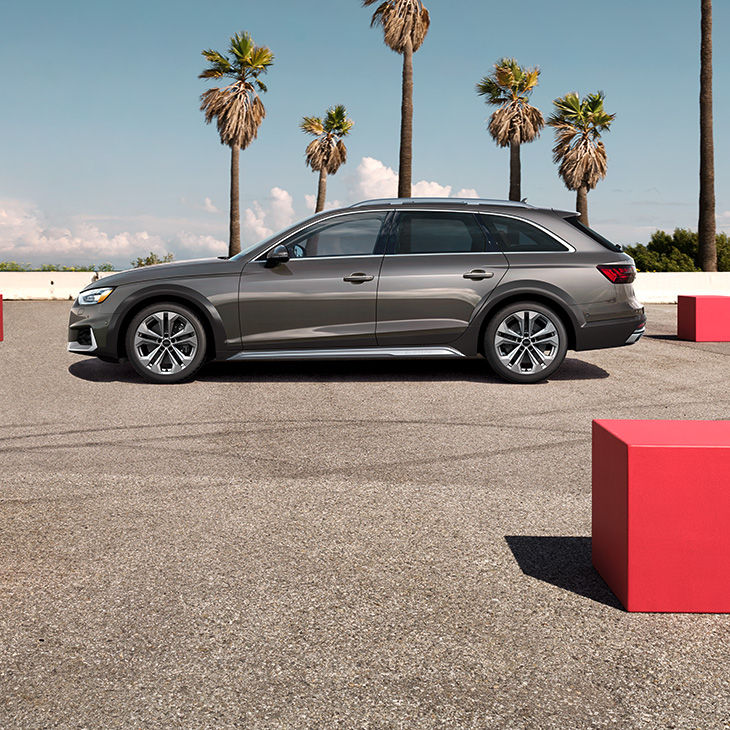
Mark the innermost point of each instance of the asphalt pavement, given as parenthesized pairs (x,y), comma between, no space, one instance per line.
(401,544)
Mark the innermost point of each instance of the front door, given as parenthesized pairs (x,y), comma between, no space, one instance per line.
(439,269)
(324,296)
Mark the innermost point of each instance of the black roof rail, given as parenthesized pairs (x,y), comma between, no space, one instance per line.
(467,201)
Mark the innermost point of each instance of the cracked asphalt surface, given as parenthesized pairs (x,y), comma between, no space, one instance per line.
(332,545)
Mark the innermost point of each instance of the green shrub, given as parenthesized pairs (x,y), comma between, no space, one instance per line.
(15,266)
(151,260)
(676,252)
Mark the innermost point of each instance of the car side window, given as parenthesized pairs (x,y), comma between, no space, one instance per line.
(518,236)
(423,232)
(350,235)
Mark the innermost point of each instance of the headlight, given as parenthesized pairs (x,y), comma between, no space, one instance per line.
(95,296)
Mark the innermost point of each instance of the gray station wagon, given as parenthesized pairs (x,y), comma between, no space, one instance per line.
(424,278)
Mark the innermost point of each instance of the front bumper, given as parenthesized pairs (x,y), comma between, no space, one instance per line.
(84,342)
(88,328)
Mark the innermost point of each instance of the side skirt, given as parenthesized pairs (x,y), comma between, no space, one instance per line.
(348,353)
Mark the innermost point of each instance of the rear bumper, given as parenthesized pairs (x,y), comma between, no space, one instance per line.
(636,335)
(611,333)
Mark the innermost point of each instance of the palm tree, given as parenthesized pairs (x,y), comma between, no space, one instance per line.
(237,108)
(516,121)
(707,252)
(327,152)
(578,124)
(405,24)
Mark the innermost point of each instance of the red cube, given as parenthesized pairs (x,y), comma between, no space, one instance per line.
(703,318)
(661,513)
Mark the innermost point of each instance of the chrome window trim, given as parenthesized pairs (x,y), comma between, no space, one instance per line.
(282,242)
(337,214)
(569,247)
(323,258)
(454,253)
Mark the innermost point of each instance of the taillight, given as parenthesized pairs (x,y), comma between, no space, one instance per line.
(618,273)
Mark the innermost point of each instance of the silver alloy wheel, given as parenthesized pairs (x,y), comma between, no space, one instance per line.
(526,342)
(165,342)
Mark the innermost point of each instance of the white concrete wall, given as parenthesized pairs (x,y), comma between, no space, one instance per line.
(45,284)
(651,288)
(664,287)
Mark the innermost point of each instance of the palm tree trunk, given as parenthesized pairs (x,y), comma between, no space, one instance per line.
(707,249)
(321,190)
(234,237)
(515,172)
(581,204)
(406,125)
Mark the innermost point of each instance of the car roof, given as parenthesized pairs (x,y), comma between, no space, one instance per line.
(405,203)
(440,201)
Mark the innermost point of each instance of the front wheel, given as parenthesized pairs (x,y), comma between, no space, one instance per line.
(525,342)
(166,343)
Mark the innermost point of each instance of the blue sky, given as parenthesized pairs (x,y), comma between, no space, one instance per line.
(105,154)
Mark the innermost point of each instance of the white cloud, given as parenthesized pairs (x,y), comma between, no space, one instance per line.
(281,208)
(254,223)
(208,206)
(425,189)
(260,221)
(311,203)
(27,236)
(374,179)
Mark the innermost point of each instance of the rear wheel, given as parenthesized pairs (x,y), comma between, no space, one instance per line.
(525,342)
(166,343)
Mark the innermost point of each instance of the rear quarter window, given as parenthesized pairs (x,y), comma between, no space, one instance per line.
(597,237)
(518,236)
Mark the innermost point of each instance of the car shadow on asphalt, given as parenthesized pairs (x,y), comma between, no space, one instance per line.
(564,562)
(97,371)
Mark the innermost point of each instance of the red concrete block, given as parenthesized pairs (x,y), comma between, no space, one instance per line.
(703,318)
(661,513)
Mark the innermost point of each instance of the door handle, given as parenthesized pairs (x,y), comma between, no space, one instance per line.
(358,278)
(478,274)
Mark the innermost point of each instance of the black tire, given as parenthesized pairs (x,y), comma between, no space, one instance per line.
(518,358)
(170,356)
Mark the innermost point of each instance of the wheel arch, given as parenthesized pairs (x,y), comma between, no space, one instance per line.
(533,294)
(212,324)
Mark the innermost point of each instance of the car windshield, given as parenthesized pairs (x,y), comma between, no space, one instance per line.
(265,242)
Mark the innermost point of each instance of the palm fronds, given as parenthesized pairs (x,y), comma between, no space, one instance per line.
(237,108)
(401,21)
(578,149)
(238,112)
(509,86)
(328,151)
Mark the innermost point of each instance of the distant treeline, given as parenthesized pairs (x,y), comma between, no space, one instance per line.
(678,251)
(15,266)
(150,260)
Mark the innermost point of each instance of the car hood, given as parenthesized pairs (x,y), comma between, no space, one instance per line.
(173,270)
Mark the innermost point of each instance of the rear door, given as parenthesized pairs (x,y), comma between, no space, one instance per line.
(440,266)
(324,296)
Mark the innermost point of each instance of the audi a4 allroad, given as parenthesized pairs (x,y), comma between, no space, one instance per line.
(423,278)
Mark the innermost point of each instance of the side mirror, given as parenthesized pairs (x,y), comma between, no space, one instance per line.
(278,255)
